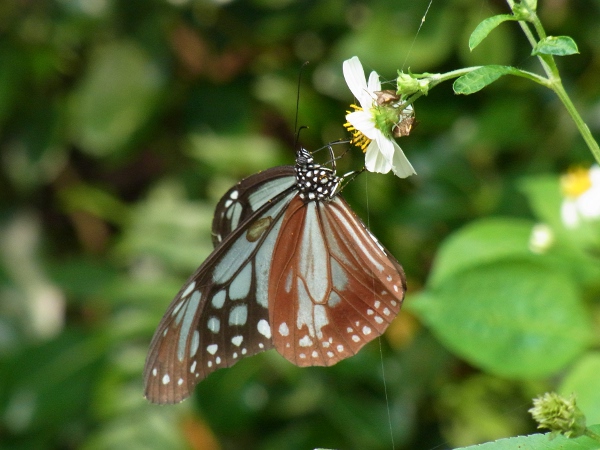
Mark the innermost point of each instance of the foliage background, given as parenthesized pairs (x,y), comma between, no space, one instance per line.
(123,121)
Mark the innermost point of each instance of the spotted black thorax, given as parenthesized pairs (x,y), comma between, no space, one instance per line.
(314,181)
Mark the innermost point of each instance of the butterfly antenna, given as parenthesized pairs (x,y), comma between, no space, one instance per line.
(296,129)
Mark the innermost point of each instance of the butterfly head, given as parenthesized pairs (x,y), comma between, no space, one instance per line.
(314,181)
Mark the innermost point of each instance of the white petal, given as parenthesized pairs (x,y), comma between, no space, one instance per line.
(355,76)
(373,84)
(363,122)
(402,166)
(374,160)
(595,175)
(386,147)
(569,214)
(588,203)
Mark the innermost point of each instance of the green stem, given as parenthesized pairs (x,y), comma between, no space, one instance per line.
(554,81)
(581,125)
(591,434)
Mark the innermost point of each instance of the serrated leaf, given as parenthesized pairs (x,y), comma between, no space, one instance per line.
(540,442)
(481,242)
(479,78)
(514,319)
(556,45)
(485,27)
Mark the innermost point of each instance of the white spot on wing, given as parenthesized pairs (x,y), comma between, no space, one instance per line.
(320,319)
(214,324)
(238,315)
(313,259)
(218,299)
(283,329)
(264,328)
(237,340)
(193,367)
(188,317)
(366,330)
(240,286)
(154,371)
(212,349)
(195,343)
(166,379)
(334,299)
(305,342)
(188,289)
(340,280)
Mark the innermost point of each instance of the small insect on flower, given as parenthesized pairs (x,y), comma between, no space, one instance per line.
(581,192)
(377,121)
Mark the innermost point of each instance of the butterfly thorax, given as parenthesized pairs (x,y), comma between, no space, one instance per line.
(314,181)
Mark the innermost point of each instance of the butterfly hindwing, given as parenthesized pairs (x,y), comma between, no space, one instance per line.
(334,289)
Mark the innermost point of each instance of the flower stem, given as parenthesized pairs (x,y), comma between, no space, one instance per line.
(591,434)
(581,125)
(554,81)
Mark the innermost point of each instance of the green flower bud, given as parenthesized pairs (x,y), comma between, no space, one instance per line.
(558,414)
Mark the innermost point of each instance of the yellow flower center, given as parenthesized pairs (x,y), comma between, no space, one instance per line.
(358,138)
(575,182)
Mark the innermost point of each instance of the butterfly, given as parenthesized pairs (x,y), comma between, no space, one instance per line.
(293,269)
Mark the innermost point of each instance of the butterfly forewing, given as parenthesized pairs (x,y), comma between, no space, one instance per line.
(247,196)
(220,315)
(333,286)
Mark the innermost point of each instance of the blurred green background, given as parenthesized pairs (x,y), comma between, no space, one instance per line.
(122,122)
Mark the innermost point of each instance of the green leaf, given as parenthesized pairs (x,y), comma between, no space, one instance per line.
(115,99)
(540,441)
(485,27)
(545,199)
(543,193)
(556,45)
(583,380)
(479,78)
(514,319)
(481,242)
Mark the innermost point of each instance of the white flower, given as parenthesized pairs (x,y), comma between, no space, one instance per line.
(382,152)
(541,238)
(581,189)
